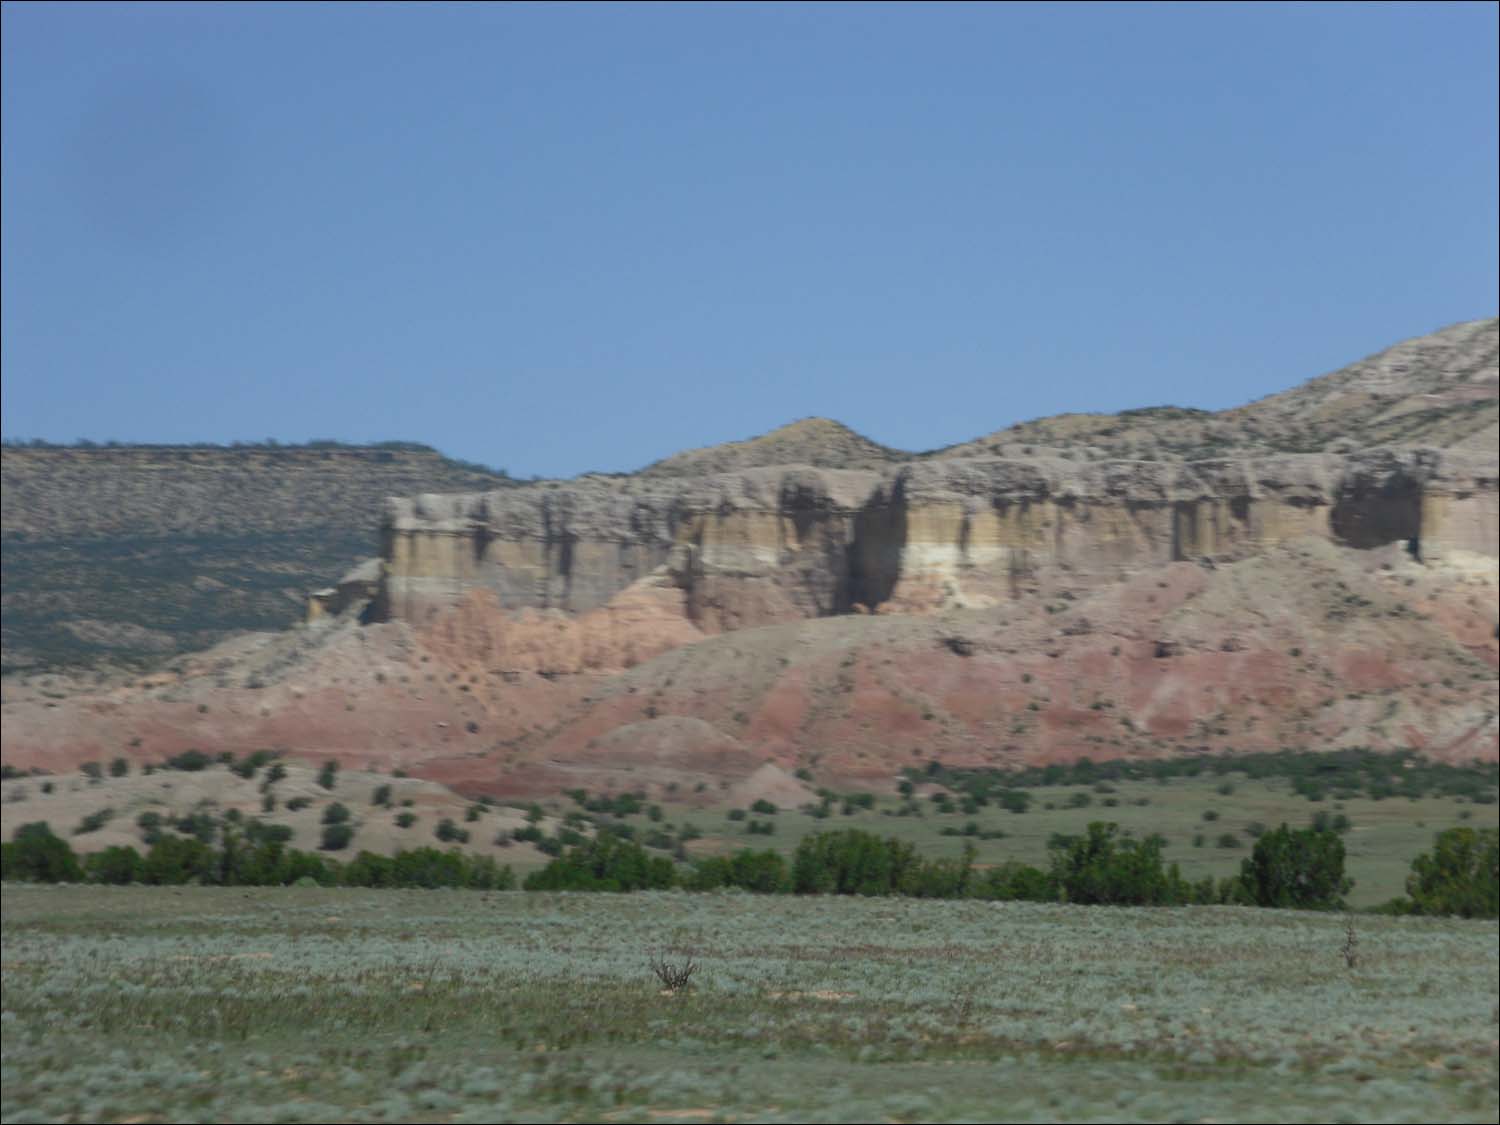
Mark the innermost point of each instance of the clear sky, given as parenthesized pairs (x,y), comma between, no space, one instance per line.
(564,237)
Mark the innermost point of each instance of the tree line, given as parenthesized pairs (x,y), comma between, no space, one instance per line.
(1289,868)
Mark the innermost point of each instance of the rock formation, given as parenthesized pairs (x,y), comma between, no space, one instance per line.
(773,544)
(1154,583)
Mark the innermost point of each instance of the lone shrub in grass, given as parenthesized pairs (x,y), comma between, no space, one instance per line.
(1461,875)
(1300,869)
(450,833)
(1015,800)
(336,813)
(328,775)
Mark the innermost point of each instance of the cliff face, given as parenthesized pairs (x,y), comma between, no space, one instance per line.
(749,548)
(766,545)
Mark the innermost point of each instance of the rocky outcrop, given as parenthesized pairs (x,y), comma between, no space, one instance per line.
(354,592)
(748,548)
(774,544)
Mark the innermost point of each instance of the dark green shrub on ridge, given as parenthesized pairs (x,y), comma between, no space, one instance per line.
(190,761)
(336,837)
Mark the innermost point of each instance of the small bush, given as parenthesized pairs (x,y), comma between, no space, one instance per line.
(336,837)
(150,825)
(247,766)
(335,813)
(329,774)
(120,767)
(199,825)
(405,819)
(381,796)
(94,821)
(450,833)
(189,761)
(674,975)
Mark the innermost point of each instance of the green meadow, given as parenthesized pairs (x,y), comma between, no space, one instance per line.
(1380,842)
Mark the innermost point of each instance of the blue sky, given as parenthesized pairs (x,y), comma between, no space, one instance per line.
(565,237)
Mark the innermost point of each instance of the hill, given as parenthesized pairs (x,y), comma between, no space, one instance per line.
(682,627)
(129,554)
(1437,390)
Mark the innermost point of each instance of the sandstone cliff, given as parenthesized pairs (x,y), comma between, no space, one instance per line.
(776,544)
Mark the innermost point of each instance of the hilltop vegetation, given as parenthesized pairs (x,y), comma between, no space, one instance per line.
(129,554)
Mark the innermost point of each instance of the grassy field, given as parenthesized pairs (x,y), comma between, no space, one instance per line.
(307,1004)
(1198,816)
(1383,838)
